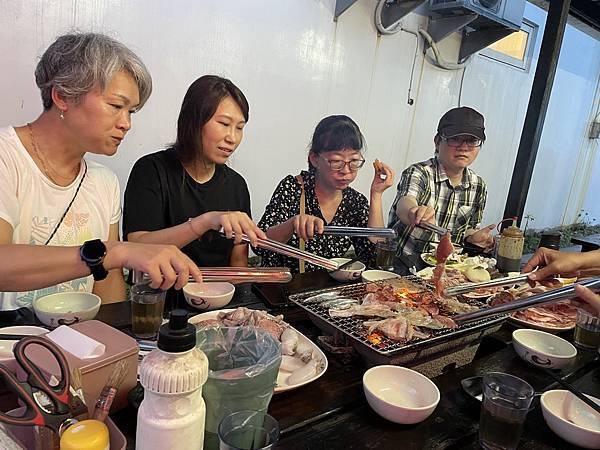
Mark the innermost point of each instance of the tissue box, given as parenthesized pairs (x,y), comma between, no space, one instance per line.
(96,371)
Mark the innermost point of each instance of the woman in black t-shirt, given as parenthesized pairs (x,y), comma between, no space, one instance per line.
(333,162)
(184,195)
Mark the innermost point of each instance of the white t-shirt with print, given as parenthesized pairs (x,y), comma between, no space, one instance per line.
(33,205)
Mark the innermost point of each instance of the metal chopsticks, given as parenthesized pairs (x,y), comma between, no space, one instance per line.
(465,288)
(293,252)
(434,228)
(554,295)
(360,232)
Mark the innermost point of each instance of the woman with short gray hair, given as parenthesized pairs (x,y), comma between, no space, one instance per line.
(51,196)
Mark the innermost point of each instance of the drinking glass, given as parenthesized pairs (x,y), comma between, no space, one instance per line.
(386,254)
(248,430)
(147,306)
(506,401)
(587,330)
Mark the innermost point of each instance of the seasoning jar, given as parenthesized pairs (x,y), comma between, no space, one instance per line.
(510,249)
(173,412)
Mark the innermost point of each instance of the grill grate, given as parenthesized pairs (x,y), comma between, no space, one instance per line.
(353,327)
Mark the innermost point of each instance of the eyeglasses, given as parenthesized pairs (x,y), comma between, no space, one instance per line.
(459,141)
(337,164)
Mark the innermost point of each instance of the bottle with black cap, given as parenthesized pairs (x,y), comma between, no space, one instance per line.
(173,413)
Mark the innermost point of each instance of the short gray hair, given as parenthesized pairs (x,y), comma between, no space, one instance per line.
(77,62)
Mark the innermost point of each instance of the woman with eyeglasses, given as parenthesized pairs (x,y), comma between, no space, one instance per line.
(334,159)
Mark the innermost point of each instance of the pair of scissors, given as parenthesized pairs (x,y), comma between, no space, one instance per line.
(46,405)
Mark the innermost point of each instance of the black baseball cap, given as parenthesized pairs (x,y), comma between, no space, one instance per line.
(463,120)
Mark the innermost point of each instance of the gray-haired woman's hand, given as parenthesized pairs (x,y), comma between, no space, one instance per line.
(166,265)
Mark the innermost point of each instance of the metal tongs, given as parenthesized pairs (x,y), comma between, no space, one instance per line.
(293,252)
(465,288)
(434,228)
(246,274)
(552,296)
(360,232)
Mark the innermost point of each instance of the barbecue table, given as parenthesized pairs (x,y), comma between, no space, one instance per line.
(332,412)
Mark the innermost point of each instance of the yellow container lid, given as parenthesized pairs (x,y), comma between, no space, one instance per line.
(86,435)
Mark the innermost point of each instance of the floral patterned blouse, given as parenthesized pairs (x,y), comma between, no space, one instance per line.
(353,211)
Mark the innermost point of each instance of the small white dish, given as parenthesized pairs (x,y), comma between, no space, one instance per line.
(543,349)
(208,296)
(375,275)
(66,308)
(350,273)
(399,394)
(6,347)
(553,409)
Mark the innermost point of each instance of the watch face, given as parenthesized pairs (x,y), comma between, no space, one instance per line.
(93,250)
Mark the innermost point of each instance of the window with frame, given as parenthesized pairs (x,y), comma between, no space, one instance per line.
(516,49)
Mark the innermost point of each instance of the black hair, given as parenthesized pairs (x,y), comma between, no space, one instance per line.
(199,105)
(334,133)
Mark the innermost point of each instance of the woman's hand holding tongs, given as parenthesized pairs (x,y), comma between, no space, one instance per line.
(306,226)
(233,224)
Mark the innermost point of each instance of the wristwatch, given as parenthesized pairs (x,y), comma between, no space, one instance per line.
(93,253)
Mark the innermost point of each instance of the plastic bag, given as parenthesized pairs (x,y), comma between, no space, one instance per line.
(243,365)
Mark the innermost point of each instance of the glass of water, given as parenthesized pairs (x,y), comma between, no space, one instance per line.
(248,430)
(506,401)
(386,254)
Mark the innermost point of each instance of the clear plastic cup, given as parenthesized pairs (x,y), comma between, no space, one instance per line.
(506,401)
(248,430)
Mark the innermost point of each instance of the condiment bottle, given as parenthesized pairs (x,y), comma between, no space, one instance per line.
(173,412)
(510,249)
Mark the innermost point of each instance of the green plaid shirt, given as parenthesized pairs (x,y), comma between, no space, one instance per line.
(456,208)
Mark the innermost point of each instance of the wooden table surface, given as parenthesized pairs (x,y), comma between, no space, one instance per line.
(332,412)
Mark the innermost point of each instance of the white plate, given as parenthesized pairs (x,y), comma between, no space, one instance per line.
(283,375)
(449,262)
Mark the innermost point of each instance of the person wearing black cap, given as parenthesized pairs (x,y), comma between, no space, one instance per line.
(443,190)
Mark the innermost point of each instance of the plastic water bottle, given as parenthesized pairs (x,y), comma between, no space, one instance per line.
(173,413)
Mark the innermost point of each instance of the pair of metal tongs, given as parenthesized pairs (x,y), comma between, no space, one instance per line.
(293,252)
(246,274)
(552,296)
(388,233)
(434,228)
(466,288)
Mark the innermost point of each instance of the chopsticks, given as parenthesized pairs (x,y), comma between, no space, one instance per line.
(434,228)
(573,390)
(465,288)
(554,295)
(360,232)
(293,252)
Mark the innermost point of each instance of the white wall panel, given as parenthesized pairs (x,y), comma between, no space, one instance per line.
(296,65)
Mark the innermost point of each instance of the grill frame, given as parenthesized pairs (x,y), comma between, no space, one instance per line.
(389,349)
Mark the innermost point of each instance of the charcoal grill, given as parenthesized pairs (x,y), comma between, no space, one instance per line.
(439,344)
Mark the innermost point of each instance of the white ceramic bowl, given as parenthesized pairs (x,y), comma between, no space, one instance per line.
(399,394)
(208,296)
(543,349)
(350,273)
(376,275)
(66,308)
(6,347)
(553,409)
